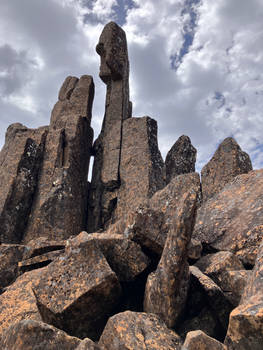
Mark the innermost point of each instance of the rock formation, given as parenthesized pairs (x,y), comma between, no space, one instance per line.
(180,159)
(143,257)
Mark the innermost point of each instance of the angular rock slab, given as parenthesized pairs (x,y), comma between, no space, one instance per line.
(232,220)
(141,167)
(20,162)
(198,340)
(228,162)
(60,207)
(10,255)
(133,330)
(180,159)
(32,335)
(166,288)
(18,301)
(149,224)
(245,330)
(124,256)
(42,245)
(78,291)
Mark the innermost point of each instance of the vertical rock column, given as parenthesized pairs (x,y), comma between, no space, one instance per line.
(60,206)
(114,72)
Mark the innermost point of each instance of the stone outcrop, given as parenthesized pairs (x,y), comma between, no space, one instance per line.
(30,335)
(114,72)
(134,330)
(180,159)
(166,288)
(245,329)
(232,220)
(71,284)
(228,162)
(198,340)
(60,205)
(20,162)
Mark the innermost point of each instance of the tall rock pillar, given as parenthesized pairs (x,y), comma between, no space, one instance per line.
(114,72)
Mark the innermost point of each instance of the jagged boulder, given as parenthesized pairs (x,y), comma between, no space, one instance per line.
(32,335)
(245,330)
(198,340)
(20,162)
(60,205)
(228,162)
(78,291)
(232,219)
(134,330)
(167,287)
(114,71)
(180,159)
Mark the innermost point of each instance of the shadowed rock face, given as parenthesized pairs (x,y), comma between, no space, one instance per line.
(60,205)
(180,159)
(245,331)
(114,71)
(228,162)
(20,163)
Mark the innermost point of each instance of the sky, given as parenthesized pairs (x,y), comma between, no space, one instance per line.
(196,66)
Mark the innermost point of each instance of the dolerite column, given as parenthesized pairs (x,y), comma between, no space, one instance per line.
(60,206)
(114,72)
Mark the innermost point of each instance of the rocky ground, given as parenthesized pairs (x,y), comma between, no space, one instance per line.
(147,255)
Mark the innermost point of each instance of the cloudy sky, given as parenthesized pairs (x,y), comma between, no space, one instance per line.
(196,65)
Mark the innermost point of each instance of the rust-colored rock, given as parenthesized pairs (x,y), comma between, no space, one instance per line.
(149,224)
(87,344)
(166,288)
(78,291)
(180,159)
(134,330)
(18,301)
(10,255)
(232,220)
(245,331)
(32,335)
(141,167)
(198,340)
(20,162)
(124,256)
(39,261)
(228,162)
(42,245)
(114,71)
(60,206)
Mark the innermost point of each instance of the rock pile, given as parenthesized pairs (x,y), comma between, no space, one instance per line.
(146,256)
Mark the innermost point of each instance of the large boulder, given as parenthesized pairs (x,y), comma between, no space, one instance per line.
(180,159)
(245,331)
(78,291)
(60,207)
(134,330)
(35,335)
(20,163)
(232,219)
(166,288)
(198,340)
(227,162)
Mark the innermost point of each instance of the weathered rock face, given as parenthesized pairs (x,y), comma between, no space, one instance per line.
(198,340)
(60,206)
(232,220)
(72,284)
(245,329)
(141,167)
(20,162)
(166,288)
(114,71)
(31,335)
(228,162)
(180,159)
(132,330)
(87,344)
(124,256)
(149,224)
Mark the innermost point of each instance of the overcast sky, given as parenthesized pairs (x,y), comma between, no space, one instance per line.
(196,65)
